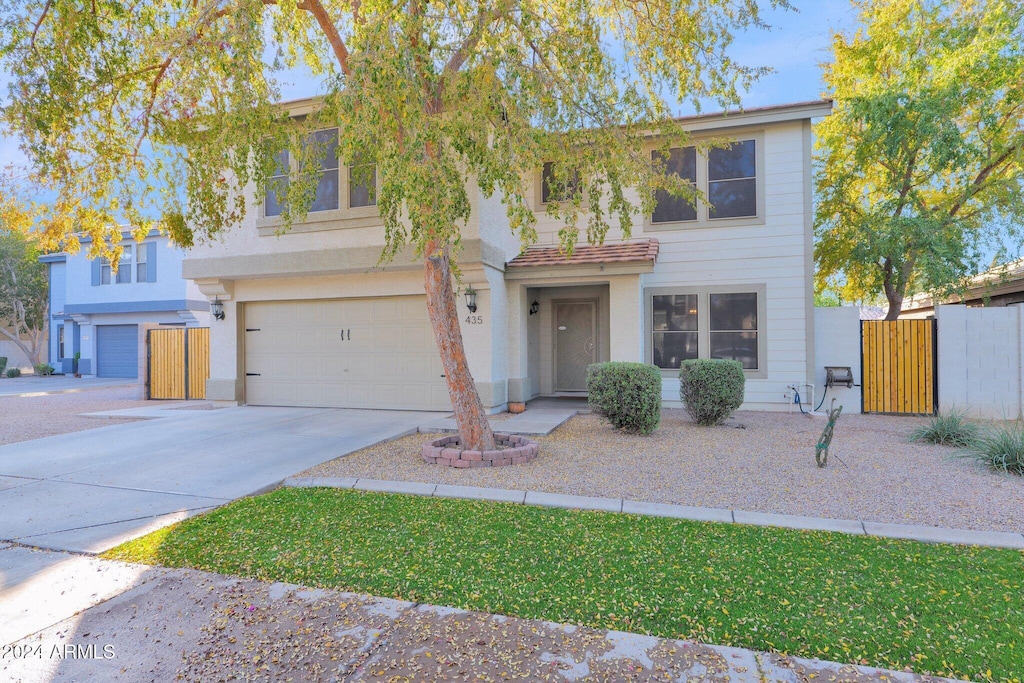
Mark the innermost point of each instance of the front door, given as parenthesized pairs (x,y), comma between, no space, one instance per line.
(575,343)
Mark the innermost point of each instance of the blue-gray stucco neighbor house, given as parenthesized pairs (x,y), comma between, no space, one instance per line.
(104,315)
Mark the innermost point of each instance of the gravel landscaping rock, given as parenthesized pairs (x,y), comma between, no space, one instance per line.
(34,417)
(757,461)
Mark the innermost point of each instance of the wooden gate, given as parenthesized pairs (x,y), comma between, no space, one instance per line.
(898,367)
(179,362)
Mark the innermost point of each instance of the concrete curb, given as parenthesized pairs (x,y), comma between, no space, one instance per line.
(924,534)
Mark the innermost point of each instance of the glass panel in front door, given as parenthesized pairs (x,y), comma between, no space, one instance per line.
(575,344)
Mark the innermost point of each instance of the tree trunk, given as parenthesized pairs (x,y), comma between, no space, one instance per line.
(32,352)
(896,290)
(895,298)
(474,429)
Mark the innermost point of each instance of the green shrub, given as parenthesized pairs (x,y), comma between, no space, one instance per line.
(13,372)
(44,369)
(628,394)
(711,389)
(949,429)
(1000,447)
(3,364)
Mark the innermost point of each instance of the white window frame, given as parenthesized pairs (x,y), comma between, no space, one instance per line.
(126,265)
(703,219)
(704,322)
(345,216)
(141,259)
(60,342)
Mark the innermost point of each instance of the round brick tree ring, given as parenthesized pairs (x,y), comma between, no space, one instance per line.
(512,450)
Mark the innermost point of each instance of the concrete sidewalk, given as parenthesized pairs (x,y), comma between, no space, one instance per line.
(194,626)
(33,385)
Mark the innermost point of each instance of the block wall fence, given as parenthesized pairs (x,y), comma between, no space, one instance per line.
(980,358)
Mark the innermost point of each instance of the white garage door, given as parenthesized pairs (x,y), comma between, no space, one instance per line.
(345,353)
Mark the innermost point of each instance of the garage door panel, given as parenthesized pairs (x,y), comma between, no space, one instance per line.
(117,351)
(358,353)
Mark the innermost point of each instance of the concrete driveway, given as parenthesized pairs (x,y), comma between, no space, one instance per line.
(88,491)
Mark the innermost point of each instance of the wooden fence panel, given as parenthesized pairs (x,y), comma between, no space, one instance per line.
(898,360)
(179,363)
(167,363)
(198,345)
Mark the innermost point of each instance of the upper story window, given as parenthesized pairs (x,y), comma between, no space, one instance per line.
(728,177)
(682,162)
(360,178)
(732,181)
(137,264)
(556,187)
(362,185)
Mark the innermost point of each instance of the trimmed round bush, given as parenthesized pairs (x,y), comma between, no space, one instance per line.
(628,394)
(711,389)
(13,372)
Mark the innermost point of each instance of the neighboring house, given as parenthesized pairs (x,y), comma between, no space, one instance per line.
(999,286)
(311,320)
(104,315)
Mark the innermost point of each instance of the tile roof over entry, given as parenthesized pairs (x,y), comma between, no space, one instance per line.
(621,252)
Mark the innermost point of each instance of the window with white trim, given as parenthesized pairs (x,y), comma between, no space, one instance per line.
(140,264)
(728,177)
(124,267)
(60,342)
(133,266)
(714,322)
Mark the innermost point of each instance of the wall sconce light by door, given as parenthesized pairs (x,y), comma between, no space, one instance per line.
(470,294)
(217,308)
(534,307)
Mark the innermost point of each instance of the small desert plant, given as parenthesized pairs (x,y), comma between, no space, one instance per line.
(3,364)
(43,369)
(13,372)
(1000,447)
(711,389)
(950,428)
(628,394)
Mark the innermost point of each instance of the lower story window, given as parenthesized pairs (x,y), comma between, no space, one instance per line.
(60,342)
(706,323)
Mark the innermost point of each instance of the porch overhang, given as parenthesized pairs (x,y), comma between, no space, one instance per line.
(621,258)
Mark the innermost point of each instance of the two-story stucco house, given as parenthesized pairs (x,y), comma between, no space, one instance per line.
(104,314)
(312,321)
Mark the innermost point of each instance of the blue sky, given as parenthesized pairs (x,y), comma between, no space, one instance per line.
(795,47)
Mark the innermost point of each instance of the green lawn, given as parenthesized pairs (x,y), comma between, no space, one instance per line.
(947,610)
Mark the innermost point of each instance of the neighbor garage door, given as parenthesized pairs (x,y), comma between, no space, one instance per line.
(346,353)
(117,351)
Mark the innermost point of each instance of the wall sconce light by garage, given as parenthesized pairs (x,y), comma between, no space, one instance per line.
(217,308)
(534,307)
(470,294)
